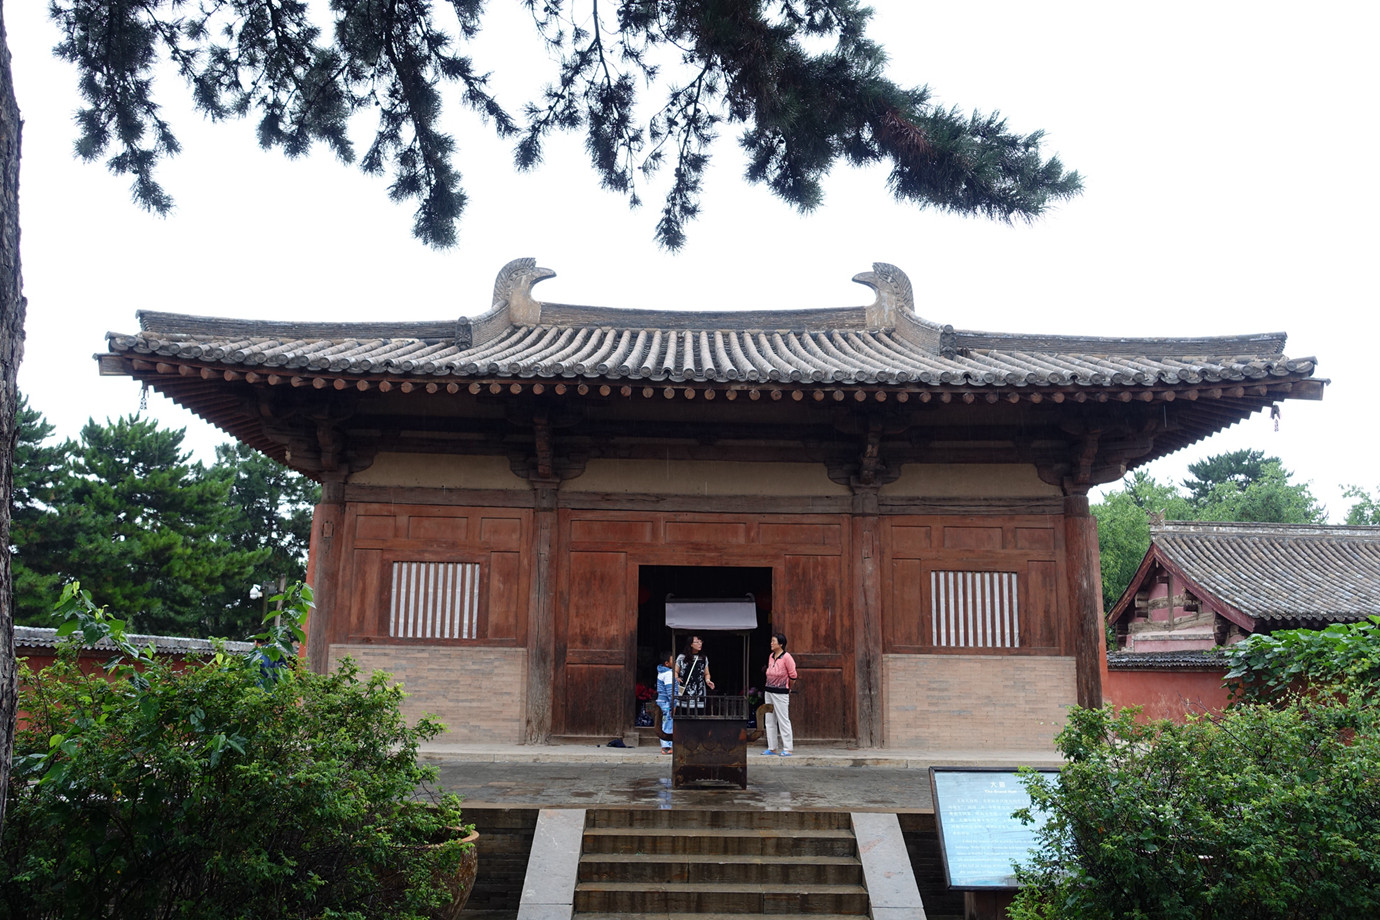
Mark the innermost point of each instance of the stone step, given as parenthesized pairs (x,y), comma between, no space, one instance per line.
(720,841)
(623,898)
(763,820)
(777,871)
(679,915)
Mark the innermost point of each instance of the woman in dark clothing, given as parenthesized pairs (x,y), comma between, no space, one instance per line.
(692,676)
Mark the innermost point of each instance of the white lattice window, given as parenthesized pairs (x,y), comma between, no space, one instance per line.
(434,600)
(974,610)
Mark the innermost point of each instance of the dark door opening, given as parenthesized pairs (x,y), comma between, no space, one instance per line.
(690,582)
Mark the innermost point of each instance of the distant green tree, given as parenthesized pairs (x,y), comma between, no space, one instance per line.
(1270,498)
(1243,485)
(1123,528)
(1237,468)
(41,471)
(1365,509)
(272,507)
(146,531)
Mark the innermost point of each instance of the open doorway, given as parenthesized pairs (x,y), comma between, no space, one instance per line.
(690,582)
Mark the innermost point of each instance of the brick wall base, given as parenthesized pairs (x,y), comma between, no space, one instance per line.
(976,702)
(477,692)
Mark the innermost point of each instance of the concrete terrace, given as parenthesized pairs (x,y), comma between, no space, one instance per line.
(815,778)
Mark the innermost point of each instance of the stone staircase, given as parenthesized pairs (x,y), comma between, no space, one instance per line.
(700,864)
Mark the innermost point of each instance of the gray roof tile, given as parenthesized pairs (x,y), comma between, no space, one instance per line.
(1279,572)
(29,637)
(885,343)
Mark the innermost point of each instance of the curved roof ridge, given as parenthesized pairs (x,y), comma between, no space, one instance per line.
(1252,345)
(1245,528)
(166,323)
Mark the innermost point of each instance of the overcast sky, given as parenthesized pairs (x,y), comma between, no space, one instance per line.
(1226,148)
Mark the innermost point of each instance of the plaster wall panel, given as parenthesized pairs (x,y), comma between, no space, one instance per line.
(476,692)
(695,477)
(976,702)
(952,480)
(440,471)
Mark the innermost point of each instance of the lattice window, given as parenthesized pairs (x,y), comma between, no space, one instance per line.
(974,610)
(434,600)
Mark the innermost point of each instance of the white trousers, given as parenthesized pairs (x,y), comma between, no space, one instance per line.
(779,736)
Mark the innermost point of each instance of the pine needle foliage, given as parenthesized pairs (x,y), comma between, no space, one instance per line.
(749,64)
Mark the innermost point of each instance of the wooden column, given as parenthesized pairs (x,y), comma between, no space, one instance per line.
(867,616)
(324,572)
(1085,598)
(541,615)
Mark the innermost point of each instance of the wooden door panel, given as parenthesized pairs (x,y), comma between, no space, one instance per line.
(822,707)
(598,700)
(1040,626)
(595,646)
(596,601)
(906,616)
(811,613)
(507,599)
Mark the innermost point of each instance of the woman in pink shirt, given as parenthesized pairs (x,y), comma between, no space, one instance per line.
(780,675)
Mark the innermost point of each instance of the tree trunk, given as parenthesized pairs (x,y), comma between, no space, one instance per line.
(11,350)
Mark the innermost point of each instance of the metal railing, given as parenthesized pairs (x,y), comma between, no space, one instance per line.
(726,708)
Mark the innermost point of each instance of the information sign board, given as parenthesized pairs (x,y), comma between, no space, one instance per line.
(978,838)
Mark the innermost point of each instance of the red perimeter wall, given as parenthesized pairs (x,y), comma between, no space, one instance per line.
(1166,694)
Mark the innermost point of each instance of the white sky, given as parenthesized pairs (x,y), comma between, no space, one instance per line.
(1225,148)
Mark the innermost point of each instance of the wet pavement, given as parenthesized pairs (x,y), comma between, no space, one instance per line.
(823,779)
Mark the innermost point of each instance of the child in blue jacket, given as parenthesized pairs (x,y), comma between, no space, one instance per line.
(665,694)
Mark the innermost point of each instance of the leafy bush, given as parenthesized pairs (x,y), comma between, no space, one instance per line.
(1344,655)
(247,787)
(1262,813)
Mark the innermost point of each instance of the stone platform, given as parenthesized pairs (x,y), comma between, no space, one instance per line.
(815,778)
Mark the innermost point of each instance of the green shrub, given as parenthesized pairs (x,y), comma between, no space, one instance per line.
(1344,655)
(1265,812)
(247,787)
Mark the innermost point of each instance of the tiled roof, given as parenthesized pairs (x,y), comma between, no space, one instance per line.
(1279,572)
(884,343)
(43,637)
(1206,659)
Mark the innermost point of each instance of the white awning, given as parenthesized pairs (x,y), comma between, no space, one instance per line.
(710,615)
